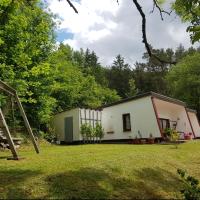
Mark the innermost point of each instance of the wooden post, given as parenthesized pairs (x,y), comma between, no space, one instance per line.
(80,116)
(85,115)
(100,117)
(27,123)
(90,117)
(8,136)
(93,118)
(13,115)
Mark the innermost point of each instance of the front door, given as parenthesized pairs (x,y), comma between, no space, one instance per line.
(69,129)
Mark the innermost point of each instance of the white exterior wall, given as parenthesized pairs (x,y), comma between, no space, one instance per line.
(195,123)
(142,117)
(58,123)
(173,112)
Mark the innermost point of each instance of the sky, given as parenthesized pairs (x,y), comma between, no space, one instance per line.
(109,28)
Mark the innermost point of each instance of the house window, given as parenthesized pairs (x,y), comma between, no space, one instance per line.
(126,122)
(164,123)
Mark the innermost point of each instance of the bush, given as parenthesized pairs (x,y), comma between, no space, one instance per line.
(86,132)
(99,132)
(191,186)
(50,136)
(171,134)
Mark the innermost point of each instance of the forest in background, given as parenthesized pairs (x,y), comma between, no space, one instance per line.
(50,79)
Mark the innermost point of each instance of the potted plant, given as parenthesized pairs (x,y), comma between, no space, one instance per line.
(172,136)
(188,136)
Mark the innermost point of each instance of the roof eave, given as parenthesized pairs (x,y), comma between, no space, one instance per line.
(191,110)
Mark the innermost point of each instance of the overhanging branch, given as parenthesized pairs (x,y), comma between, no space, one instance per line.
(160,9)
(72,5)
(144,36)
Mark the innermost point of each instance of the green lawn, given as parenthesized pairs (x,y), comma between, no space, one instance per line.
(98,171)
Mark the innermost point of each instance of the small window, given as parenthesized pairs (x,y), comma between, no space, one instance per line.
(126,122)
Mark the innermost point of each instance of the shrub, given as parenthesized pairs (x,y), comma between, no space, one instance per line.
(86,131)
(191,186)
(99,132)
(50,136)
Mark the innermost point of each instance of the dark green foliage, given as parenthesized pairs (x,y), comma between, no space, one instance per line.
(184,81)
(119,76)
(89,64)
(191,186)
(49,136)
(151,76)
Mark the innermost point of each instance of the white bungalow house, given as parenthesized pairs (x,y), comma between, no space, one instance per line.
(138,116)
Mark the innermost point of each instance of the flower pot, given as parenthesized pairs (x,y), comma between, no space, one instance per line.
(187,137)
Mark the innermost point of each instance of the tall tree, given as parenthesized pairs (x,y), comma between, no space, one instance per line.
(119,76)
(72,87)
(26,40)
(89,64)
(150,76)
(184,81)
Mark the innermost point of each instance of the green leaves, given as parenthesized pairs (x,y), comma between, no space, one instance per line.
(189,11)
(184,80)
(26,40)
(191,186)
(72,86)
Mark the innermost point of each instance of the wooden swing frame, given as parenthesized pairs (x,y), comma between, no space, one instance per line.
(12,92)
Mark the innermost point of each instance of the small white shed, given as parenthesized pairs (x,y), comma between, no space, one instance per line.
(138,116)
(67,123)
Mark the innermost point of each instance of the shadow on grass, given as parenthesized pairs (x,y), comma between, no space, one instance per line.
(12,183)
(3,157)
(90,183)
(158,181)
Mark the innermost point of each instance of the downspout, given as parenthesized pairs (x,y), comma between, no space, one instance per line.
(190,122)
(157,118)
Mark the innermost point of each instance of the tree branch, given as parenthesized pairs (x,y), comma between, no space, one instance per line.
(71,5)
(144,36)
(160,9)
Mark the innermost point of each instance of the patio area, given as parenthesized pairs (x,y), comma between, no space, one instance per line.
(174,116)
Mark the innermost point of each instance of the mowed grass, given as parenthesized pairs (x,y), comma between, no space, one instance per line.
(97,171)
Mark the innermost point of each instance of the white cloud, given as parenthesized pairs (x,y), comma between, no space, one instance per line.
(110,29)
